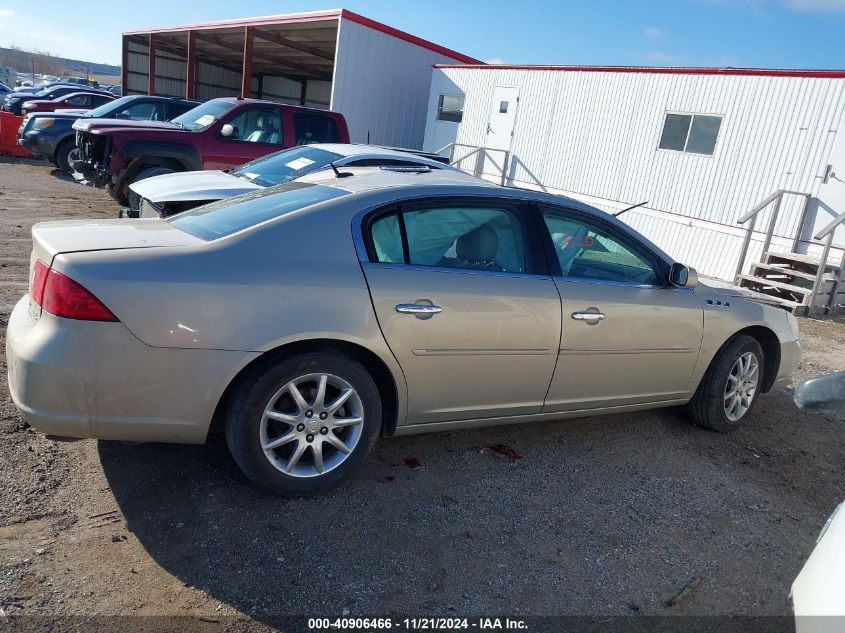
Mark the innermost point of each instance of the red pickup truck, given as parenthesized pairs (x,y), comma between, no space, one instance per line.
(218,134)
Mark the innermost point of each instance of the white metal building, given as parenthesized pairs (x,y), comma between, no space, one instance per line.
(378,77)
(701,146)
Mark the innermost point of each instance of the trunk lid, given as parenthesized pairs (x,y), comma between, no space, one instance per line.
(74,236)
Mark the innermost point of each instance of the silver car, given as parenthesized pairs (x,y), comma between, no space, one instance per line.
(307,320)
(168,194)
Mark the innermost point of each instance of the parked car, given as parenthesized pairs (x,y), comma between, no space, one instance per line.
(818,592)
(116,90)
(310,318)
(27,87)
(161,196)
(70,101)
(14,101)
(219,134)
(4,89)
(81,81)
(52,137)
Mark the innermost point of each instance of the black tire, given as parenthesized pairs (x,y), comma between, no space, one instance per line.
(707,407)
(245,411)
(63,155)
(148,172)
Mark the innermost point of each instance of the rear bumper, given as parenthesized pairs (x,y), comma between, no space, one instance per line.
(96,380)
(790,356)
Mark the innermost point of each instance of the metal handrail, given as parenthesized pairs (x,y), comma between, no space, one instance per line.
(777,198)
(839,219)
(476,149)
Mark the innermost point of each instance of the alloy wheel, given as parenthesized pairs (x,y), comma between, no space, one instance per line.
(311,425)
(741,386)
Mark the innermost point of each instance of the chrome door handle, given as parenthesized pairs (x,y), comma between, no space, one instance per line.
(418,308)
(591,318)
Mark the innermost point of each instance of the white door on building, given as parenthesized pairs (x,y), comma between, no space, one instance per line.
(499,130)
(832,191)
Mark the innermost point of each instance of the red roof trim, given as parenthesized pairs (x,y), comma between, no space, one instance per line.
(762,72)
(413,39)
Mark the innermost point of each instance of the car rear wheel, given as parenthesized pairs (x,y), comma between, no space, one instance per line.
(305,425)
(133,198)
(729,389)
(66,154)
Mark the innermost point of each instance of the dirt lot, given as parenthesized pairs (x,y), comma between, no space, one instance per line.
(602,517)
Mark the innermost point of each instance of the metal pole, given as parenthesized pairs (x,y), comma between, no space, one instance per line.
(770,231)
(246,69)
(191,65)
(801,221)
(505,165)
(822,268)
(151,66)
(744,250)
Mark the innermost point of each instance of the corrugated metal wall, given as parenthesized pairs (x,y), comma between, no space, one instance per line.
(170,71)
(381,85)
(596,133)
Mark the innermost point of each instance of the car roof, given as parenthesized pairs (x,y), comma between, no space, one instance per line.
(368,180)
(361,179)
(362,151)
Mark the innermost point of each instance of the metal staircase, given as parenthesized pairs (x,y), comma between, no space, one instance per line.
(802,284)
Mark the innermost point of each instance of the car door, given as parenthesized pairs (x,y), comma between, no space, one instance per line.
(466,306)
(255,132)
(627,337)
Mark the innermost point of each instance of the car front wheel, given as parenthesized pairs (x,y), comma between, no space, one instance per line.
(305,425)
(729,389)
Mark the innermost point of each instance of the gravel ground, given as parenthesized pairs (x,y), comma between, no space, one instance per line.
(601,517)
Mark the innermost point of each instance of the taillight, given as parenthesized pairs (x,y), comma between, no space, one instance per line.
(60,295)
(39,276)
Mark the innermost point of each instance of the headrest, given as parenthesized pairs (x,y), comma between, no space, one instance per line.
(479,245)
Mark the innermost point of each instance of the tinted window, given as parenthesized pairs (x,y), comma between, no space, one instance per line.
(692,133)
(143,111)
(228,216)
(451,108)
(257,126)
(585,251)
(112,106)
(284,166)
(478,237)
(315,128)
(78,100)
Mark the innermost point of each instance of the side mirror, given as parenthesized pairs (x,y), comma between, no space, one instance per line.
(683,276)
(822,392)
(227,130)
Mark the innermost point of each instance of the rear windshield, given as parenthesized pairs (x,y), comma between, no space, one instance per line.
(287,165)
(203,115)
(226,217)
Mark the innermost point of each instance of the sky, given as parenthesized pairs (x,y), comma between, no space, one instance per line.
(739,33)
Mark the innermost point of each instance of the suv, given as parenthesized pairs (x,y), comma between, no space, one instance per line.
(219,134)
(51,135)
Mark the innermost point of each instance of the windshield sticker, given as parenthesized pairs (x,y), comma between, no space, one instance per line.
(205,119)
(299,163)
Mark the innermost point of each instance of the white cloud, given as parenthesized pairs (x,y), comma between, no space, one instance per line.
(496,61)
(653,32)
(6,13)
(821,6)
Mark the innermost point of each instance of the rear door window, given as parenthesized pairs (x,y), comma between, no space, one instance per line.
(315,128)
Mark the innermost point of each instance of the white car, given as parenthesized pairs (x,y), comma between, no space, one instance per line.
(168,194)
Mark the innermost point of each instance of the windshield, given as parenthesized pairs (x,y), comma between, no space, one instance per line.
(231,215)
(43,92)
(287,165)
(107,108)
(203,115)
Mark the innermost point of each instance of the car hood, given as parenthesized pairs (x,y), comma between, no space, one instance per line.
(708,286)
(118,125)
(70,115)
(192,185)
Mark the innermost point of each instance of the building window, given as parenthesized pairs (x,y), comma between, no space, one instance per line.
(692,133)
(450,108)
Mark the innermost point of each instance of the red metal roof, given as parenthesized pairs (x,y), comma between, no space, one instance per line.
(315,16)
(762,72)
